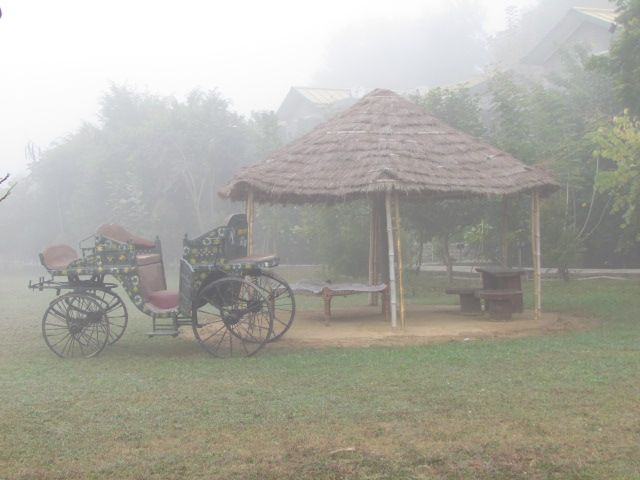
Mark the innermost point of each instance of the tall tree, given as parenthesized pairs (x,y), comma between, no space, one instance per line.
(620,144)
(552,126)
(3,196)
(439,222)
(151,163)
(624,58)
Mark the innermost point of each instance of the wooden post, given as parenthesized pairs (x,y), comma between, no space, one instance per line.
(392,268)
(396,201)
(373,297)
(535,246)
(381,251)
(504,234)
(249,210)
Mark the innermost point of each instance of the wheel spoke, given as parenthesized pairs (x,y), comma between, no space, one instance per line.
(244,321)
(205,340)
(115,311)
(281,301)
(85,330)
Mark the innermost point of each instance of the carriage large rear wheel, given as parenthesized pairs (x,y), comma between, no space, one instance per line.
(281,300)
(116,312)
(233,318)
(75,325)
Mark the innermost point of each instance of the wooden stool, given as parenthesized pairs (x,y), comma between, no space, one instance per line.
(469,303)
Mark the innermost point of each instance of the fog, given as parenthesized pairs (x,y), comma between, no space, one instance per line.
(426,51)
(140,113)
(419,218)
(59,58)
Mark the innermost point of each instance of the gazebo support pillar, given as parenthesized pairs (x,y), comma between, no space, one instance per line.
(396,201)
(250,212)
(378,261)
(535,246)
(373,250)
(393,299)
(504,232)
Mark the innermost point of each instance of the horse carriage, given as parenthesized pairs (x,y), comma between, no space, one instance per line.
(233,304)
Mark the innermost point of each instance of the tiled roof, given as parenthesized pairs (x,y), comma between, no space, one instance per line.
(607,15)
(324,96)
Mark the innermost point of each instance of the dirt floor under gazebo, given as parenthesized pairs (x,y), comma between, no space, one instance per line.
(425,324)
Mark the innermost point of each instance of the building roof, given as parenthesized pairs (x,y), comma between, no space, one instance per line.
(323,96)
(606,15)
(559,36)
(300,101)
(385,142)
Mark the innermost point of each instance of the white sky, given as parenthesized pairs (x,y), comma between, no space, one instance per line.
(57,58)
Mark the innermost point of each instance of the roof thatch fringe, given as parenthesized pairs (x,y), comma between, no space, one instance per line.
(385,142)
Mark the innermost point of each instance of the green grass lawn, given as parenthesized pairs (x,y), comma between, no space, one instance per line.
(564,406)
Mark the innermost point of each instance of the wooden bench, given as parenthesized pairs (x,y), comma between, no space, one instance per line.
(328,290)
(469,303)
(499,303)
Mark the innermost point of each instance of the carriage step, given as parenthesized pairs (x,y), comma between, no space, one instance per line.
(163,333)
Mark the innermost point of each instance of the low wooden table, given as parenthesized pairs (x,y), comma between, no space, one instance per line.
(504,279)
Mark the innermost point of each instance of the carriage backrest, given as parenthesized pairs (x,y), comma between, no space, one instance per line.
(151,278)
(146,254)
(116,232)
(235,245)
(219,244)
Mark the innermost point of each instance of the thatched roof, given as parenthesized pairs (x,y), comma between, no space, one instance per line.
(385,142)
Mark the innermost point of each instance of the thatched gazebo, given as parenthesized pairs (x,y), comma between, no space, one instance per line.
(387,149)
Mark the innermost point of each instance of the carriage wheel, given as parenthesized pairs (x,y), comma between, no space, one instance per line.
(116,312)
(233,318)
(75,325)
(282,301)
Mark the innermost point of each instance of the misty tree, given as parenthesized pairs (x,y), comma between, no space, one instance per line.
(623,61)
(274,225)
(620,144)
(440,222)
(58,176)
(168,158)
(3,196)
(510,128)
(455,106)
(618,141)
(134,166)
(552,126)
(203,140)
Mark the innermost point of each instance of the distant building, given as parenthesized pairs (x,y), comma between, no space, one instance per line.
(303,108)
(591,28)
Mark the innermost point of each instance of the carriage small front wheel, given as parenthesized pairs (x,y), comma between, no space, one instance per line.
(281,299)
(75,325)
(115,310)
(232,318)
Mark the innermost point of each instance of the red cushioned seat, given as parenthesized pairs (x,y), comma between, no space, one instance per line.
(118,233)
(58,257)
(164,299)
